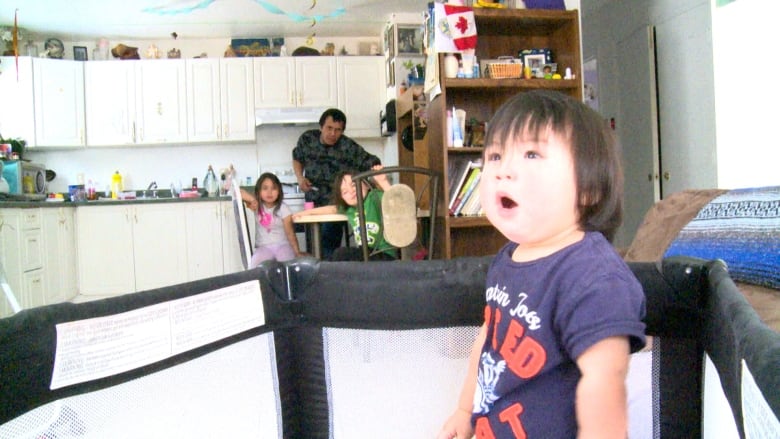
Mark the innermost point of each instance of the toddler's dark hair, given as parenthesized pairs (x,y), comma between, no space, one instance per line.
(598,172)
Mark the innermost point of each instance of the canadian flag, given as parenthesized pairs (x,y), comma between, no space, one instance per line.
(463,29)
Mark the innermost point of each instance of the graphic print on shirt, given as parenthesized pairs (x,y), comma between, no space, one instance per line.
(372,229)
(484,397)
(516,350)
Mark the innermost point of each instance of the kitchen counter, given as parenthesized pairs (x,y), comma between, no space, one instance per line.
(109,202)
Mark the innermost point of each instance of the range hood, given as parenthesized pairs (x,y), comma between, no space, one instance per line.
(277,116)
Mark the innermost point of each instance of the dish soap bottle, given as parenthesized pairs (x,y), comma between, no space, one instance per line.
(210,182)
(116,185)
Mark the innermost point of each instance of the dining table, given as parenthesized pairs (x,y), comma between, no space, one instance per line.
(312,224)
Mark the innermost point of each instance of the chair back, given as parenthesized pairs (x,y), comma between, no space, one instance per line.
(242,224)
(397,220)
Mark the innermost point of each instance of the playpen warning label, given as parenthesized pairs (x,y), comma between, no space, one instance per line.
(104,346)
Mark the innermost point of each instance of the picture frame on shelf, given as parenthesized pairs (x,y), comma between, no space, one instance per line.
(535,62)
(79,53)
(410,39)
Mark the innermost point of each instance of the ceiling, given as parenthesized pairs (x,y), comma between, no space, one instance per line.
(75,20)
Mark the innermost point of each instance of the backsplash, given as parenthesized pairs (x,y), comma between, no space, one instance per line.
(166,164)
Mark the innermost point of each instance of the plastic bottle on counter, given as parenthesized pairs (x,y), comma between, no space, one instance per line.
(210,182)
(116,185)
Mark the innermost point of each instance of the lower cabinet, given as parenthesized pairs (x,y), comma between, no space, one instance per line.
(204,240)
(60,258)
(128,248)
(22,258)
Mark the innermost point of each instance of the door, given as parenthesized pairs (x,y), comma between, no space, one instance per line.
(161,100)
(637,130)
(105,249)
(237,92)
(110,102)
(159,245)
(361,82)
(686,78)
(59,102)
(203,117)
(315,81)
(204,240)
(274,80)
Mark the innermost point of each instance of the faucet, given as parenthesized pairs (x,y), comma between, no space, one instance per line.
(152,186)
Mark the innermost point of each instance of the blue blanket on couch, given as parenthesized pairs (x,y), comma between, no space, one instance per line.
(741,227)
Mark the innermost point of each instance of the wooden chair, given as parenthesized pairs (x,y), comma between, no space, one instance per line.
(408,211)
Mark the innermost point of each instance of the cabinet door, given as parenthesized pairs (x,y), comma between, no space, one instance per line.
(10,255)
(105,249)
(274,80)
(60,258)
(17,120)
(159,249)
(361,82)
(237,102)
(59,102)
(203,100)
(33,291)
(161,101)
(109,92)
(204,240)
(315,81)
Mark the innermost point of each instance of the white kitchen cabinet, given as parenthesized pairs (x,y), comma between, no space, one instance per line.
(220,99)
(204,240)
(59,102)
(48,101)
(22,256)
(136,102)
(130,248)
(60,256)
(17,120)
(288,82)
(109,94)
(161,101)
(361,90)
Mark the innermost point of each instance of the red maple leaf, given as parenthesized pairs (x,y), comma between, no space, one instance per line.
(462,24)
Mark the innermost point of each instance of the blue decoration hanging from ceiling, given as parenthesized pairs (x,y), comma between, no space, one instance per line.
(188,6)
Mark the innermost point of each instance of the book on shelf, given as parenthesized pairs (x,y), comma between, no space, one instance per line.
(472,206)
(466,191)
(459,170)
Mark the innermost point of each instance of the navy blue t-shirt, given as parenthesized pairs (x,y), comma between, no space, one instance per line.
(542,315)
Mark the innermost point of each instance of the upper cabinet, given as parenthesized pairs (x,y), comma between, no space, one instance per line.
(220,99)
(135,102)
(48,101)
(287,82)
(161,101)
(361,82)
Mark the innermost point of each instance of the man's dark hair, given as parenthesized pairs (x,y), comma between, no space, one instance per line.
(335,114)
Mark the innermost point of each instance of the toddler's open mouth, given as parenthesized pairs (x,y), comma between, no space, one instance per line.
(507,203)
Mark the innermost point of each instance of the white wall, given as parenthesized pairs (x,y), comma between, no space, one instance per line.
(745,39)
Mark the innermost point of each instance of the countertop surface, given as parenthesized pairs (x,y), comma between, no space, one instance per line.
(108,202)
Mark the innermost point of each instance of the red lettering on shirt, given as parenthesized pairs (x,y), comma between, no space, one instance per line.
(511,416)
(494,340)
(482,429)
(524,356)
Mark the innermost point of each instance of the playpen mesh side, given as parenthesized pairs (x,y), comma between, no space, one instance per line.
(231,392)
(394,383)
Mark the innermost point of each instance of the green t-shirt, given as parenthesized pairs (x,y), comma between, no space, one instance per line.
(374,230)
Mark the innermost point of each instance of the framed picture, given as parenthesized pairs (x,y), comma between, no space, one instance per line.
(79,53)
(536,62)
(389,41)
(410,39)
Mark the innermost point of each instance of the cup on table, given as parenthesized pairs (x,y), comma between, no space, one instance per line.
(308,205)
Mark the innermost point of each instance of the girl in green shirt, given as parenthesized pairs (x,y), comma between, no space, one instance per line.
(345,202)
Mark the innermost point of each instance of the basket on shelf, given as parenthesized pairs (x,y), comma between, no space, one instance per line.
(504,67)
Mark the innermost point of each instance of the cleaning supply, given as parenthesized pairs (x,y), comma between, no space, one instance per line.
(210,182)
(116,185)
(457,133)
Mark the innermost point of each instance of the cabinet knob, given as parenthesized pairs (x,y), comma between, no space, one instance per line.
(667,175)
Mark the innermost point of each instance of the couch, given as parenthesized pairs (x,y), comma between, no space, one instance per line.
(741,227)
